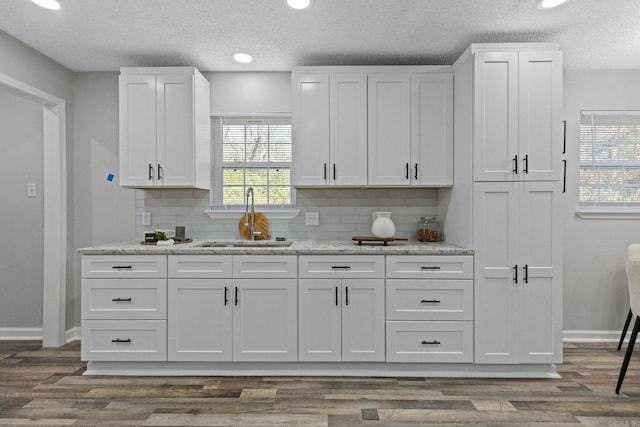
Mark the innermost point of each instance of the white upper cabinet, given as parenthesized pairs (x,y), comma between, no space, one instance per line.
(389,129)
(517,130)
(310,121)
(431,129)
(364,126)
(164,128)
(348,129)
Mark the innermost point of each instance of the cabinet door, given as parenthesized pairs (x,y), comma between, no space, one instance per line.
(540,304)
(495,119)
(199,320)
(540,128)
(265,320)
(431,129)
(175,127)
(320,331)
(348,129)
(363,320)
(137,130)
(389,129)
(310,117)
(496,289)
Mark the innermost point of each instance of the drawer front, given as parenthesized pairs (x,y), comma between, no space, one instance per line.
(200,266)
(125,266)
(429,267)
(264,266)
(429,299)
(427,342)
(332,266)
(124,298)
(124,340)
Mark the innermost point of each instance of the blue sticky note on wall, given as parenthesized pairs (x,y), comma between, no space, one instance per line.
(110,177)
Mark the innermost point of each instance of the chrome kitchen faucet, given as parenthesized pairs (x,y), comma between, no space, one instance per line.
(252,232)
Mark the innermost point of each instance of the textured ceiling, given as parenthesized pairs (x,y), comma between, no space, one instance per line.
(103,35)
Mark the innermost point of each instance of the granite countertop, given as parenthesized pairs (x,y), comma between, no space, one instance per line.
(298,247)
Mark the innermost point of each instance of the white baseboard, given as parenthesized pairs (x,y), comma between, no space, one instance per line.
(72,334)
(21,334)
(34,334)
(593,336)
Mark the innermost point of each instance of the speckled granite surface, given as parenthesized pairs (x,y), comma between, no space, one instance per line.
(298,247)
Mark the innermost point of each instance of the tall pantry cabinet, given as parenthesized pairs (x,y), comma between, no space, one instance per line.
(508,155)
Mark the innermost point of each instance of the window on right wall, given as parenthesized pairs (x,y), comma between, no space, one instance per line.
(610,158)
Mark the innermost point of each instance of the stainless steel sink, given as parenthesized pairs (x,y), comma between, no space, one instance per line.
(245,244)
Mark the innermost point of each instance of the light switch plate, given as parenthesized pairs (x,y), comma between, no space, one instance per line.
(146,218)
(312,218)
(32,189)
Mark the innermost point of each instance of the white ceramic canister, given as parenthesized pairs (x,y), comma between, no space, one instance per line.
(383,227)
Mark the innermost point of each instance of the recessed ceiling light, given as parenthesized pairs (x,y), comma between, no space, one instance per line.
(299,4)
(548,4)
(47,4)
(243,58)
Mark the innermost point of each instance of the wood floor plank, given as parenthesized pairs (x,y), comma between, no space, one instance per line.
(46,387)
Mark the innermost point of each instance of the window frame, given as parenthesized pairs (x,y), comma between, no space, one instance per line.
(216,208)
(606,209)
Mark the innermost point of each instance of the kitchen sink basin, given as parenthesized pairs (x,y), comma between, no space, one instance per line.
(245,244)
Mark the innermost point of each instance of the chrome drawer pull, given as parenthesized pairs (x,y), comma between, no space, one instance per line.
(341,266)
(128,340)
(122,267)
(430,342)
(434,301)
(121,300)
(435,267)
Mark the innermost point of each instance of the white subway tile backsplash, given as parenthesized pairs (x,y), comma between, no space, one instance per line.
(344,213)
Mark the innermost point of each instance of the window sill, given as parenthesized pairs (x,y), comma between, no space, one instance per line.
(608,212)
(235,213)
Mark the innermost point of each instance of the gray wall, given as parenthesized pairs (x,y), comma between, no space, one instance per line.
(595,287)
(21,263)
(23,63)
(595,296)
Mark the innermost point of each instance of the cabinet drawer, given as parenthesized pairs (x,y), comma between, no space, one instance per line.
(200,266)
(124,340)
(429,299)
(430,342)
(129,266)
(124,298)
(429,267)
(332,266)
(264,266)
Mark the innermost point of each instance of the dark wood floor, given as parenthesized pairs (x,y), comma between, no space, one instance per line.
(46,387)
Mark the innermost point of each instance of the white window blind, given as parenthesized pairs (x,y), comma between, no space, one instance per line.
(251,151)
(610,158)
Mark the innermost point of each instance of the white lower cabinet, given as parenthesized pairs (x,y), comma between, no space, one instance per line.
(429,309)
(341,308)
(225,317)
(341,320)
(124,308)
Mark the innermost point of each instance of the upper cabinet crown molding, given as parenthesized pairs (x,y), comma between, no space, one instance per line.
(164,128)
(373,126)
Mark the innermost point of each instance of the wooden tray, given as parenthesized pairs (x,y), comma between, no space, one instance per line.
(175,242)
(260,224)
(384,241)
